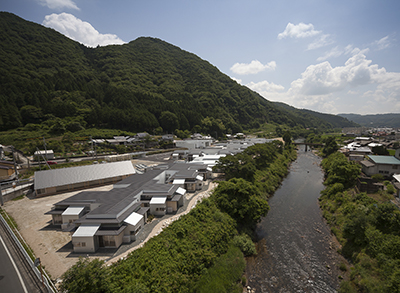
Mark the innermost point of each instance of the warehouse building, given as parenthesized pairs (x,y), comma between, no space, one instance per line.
(48,182)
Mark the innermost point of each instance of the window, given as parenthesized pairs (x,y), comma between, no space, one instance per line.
(109,240)
(394,166)
(83,244)
(57,219)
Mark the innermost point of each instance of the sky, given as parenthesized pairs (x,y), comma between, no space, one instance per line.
(328,56)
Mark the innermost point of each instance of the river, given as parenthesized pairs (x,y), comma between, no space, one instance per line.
(295,252)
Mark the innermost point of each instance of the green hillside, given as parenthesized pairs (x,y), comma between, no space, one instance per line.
(329,120)
(378,120)
(48,80)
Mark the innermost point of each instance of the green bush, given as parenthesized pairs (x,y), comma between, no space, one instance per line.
(245,244)
(225,275)
(378,177)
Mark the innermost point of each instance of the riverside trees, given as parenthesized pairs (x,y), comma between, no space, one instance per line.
(367,227)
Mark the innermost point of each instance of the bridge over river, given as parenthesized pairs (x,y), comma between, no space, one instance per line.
(308,145)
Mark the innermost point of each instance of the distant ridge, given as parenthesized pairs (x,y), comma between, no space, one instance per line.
(391,120)
(48,79)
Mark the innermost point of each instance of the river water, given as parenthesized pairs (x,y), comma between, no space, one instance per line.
(295,252)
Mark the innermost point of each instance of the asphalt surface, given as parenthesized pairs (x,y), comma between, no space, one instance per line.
(16,276)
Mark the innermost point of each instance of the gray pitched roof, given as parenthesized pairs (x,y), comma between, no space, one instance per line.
(73,175)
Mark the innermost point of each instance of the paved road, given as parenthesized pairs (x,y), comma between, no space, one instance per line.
(10,277)
(15,275)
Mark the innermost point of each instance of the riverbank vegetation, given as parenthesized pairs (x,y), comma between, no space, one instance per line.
(367,226)
(204,250)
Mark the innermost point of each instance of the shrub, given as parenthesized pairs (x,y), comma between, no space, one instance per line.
(378,177)
(225,274)
(244,243)
(343,267)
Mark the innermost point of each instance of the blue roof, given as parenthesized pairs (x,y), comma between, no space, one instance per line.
(390,160)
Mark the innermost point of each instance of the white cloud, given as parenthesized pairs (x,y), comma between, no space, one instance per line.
(320,84)
(265,87)
(59,4)
(323,41)
(80,31)
(335,52)
(348,49)
(382,43)
(254,67)
(300,30)
(322,79)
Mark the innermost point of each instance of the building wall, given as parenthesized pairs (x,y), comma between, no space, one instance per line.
(388,170)
(6,172)
(385,170)
(56,219)
(71,218)
(119,239)
(158,209)
(172,206)
(191,187)
(131,231)
(84,244)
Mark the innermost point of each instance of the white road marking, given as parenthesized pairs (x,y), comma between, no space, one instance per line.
(15,266)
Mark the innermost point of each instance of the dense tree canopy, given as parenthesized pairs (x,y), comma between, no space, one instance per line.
(330,146)
(241,200)
(339,170)
(44,74)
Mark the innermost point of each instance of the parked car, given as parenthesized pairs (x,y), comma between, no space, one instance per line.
(51,163)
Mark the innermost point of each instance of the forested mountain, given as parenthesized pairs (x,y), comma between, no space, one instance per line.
(329,120)
(49,79)
(379,120)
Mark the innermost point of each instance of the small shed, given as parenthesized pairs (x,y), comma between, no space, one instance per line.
(135,223)
(47,154)
(158,206)
(70,215)
(84,240)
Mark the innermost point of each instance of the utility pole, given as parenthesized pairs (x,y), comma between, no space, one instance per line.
(91,140)
(45,160)
(1,195)
(45,149)
(15,163)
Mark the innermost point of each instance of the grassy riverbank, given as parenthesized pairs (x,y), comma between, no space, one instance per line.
(366,225)
(204,250)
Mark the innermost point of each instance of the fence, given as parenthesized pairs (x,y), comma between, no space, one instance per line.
(22,246)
